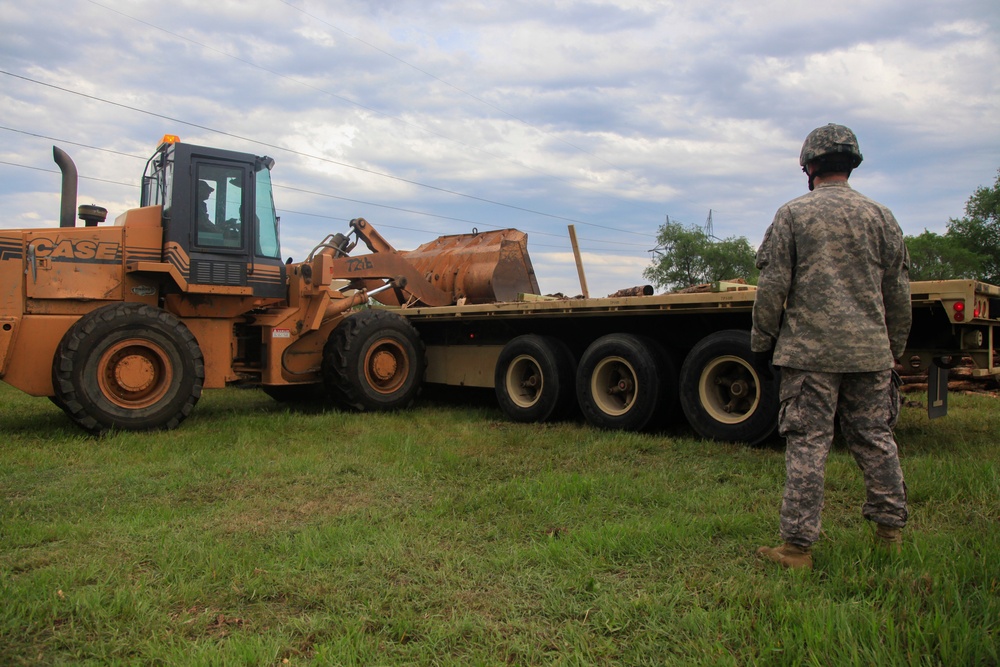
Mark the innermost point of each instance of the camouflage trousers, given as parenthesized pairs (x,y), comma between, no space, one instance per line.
(866,405)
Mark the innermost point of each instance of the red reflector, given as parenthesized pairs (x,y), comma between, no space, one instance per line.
(959,316)
(959,306)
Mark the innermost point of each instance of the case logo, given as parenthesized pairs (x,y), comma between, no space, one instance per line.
(100,251)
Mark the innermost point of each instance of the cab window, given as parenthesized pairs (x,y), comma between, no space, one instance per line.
(219,206)
(267,221)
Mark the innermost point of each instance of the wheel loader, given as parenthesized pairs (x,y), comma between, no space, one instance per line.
(123,324)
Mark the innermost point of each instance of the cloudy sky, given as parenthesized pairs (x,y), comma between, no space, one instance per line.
(431,118)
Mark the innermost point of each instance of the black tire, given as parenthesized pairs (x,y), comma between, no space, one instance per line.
(723,395)
(374,360)
(669,407)
(625,382)
(535,378)
(128,366)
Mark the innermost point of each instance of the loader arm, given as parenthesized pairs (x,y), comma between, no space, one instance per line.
(369,272)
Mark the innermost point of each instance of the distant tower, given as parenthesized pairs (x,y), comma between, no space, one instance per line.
(658,250)
(708,226)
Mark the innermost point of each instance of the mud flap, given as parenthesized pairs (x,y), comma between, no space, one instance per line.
(937,392)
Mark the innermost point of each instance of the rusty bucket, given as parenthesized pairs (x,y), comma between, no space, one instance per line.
(482,267)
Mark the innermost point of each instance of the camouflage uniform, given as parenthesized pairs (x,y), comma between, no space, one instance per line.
(833,301)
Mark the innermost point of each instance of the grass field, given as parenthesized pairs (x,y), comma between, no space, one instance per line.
(445,535)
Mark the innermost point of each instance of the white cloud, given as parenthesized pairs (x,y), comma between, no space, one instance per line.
(609,115)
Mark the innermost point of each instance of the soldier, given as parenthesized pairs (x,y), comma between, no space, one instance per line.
(205,222)
(832,311)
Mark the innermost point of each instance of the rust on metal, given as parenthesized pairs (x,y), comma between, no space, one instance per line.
(482,267)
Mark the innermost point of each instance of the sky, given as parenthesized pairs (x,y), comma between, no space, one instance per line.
(430,118)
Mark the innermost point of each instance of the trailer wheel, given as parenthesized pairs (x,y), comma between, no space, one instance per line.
(625,382)
(534,379)
(128,366)
(374,360)
(723,395)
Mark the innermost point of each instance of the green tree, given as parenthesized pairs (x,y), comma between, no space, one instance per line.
(970,248)
(940,257)
(688,256)
(979,230)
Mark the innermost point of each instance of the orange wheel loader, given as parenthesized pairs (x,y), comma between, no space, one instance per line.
(124,324)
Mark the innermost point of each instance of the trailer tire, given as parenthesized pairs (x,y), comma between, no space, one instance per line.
(128,366)
(625,382)
(723,395)
(374,360)
(534,379)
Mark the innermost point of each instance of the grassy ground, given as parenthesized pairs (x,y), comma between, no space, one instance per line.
(447,536)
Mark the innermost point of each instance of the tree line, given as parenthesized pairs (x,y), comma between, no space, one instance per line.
(968,249)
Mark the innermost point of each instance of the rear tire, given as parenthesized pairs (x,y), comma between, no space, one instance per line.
(625,382)
(128,366)
(723,394)
(374,360)
(534,379)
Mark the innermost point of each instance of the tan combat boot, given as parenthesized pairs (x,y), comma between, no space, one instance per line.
(788,555)
(889,538)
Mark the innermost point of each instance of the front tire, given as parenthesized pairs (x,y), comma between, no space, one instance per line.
(128,366)
(534,379)
(374,360)
(723,394)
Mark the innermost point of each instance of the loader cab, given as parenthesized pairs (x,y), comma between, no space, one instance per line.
(219,223)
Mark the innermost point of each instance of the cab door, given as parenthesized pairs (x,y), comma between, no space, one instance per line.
(218,229)
(219,211)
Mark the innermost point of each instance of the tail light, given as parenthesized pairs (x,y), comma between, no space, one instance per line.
(959,308)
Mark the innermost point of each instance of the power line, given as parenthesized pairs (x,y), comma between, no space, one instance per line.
(383,225)
(442,217)
(294,189)
(72,143)
(376,111)
(54,171)
(318,157)
(331,217)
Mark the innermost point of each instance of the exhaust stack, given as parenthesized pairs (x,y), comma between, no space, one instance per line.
(67,204)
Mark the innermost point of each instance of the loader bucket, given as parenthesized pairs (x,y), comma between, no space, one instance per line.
(483,267)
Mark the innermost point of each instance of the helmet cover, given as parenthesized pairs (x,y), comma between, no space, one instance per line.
(827,140)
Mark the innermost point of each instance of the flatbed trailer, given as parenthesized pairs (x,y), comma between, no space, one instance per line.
(636,362)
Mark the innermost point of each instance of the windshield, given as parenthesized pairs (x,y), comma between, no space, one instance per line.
(267,221)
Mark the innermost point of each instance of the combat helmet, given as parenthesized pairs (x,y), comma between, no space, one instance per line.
(834,147)
(827,140)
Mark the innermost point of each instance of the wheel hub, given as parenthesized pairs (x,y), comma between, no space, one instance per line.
(614,385)
(524,381)
(134,373)
(384,365)
(728,389)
